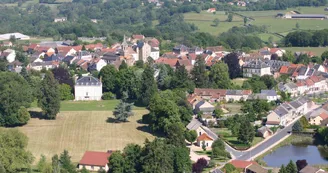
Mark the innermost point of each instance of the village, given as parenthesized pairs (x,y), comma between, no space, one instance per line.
(299,92)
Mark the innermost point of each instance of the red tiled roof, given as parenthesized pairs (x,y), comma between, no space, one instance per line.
(324,115)
(309,82)
(214,93)
(138,37)
(94,158)
(192,56)
(247,92)
(215,48)
(93,46)
(212,9)
(315,79)
(242,164)
(274,50)
(300,83)
(273,122)
(33,46)
(204,137)
(170,61)
(77,48)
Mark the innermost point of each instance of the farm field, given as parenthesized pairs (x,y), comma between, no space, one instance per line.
(234,108)
(81,131)
(204,21)
(239,81)
(316,50)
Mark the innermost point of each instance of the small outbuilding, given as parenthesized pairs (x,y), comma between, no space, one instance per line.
(204,138)
(205,107)
(264,132)
(95,161)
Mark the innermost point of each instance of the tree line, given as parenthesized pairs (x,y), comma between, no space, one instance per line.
(282,4)
(307,38)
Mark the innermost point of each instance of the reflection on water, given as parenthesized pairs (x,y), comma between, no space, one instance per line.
(283,155)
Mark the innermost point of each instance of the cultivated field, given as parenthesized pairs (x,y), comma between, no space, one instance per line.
(204,21)
(79,131)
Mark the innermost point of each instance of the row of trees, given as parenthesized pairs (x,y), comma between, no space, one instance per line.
(307,38)
(283,4)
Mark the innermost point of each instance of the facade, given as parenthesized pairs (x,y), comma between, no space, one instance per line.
(95,161)
(154,53)
(205,107)
(204,139)
(143,50)
(88,88)
(10,55)
(256,68)
(237,95)
(317,117)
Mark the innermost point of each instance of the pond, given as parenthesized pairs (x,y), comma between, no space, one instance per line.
(292,152)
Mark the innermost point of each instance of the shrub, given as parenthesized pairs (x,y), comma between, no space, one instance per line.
(108,96)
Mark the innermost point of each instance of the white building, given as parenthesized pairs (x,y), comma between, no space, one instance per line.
(10,55)
(17,36)
(95,161)
(154,53)
(88,88)
(257,68)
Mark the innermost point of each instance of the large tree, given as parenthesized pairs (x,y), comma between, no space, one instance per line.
(182,162)
(15,95)
(66,163)
(291,167)
(108,77)
(148,85)
(246,132)
(123,111)
(297,127)
(199,74)
(181,79)
(63,76)
(65,92)
(191,136)
(116,162)
(14,158)
(175,134)
(132,154)
(219,76)
(49,99)
(232,60)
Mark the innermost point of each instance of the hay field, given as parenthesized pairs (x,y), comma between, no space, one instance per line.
(79,131)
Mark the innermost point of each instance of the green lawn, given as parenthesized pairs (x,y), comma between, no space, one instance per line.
(234,108)
(316,50)
(204,21)
(104,105)
(239,81)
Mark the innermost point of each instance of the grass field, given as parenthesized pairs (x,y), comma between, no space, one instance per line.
(204,21)
(239,81)
(234,108)
(81,131)
(316,50)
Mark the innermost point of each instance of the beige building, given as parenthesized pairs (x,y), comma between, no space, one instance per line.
(205,139)
(143,51)
(264,132)
(95,161)
(317,117)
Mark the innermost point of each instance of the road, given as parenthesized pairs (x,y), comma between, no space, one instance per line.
(267,144)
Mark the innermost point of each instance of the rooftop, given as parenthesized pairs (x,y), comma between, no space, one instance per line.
(95,158)
(88,80)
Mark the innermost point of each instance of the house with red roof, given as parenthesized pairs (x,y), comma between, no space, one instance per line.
(205,139)
(95,161)
(248,166)
(211,10)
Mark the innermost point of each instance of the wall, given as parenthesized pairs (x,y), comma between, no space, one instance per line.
(94,92)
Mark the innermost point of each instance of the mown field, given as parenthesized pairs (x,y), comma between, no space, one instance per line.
(316,50)
(204,21)
(79,131)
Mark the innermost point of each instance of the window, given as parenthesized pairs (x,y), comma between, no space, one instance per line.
(92,168)
(200,133)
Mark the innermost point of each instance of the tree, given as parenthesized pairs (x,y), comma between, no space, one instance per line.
(12,39)
(291,167)
(204,146)
(123,111)
(297,127)
(14,99)
(256,84)
(25,74)
(163,78)
(282,169)
(148,86)
(108,77)
(199,166)
(218,113)
(216,22)
(269,81)
(245,20)
(324,55)
(2,169)
(304,122)
(229,168)
(270,40)
(132,154)
(285,96)
(116,162)
(198,73)
(297,26)
(246,132)
(301,164)
(323,133)
(232,61)
(84,170)
(230,17)
(157,157)
(65,92)
(42,163)
(191,136)
(55,164)
(66,163)
(123,65)
(181,79)
(49,99)
(3,65)
(175,134)
(139,64)
(83,47)
(63,76)
(219,76)
(219,144)
(14,157)
(182,162)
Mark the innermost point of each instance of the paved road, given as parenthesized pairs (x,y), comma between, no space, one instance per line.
(249,154)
